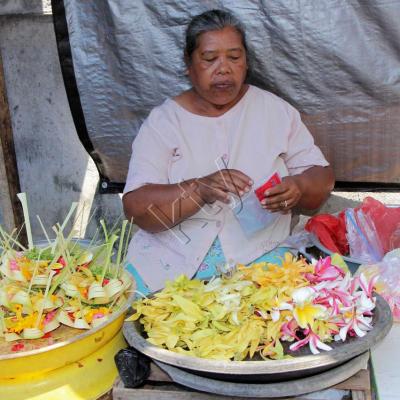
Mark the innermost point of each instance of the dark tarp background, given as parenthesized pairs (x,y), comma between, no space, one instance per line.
(336,61)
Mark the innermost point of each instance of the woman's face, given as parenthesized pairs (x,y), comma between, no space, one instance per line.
(218,66)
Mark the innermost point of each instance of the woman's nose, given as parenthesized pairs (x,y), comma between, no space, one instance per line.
(223,66)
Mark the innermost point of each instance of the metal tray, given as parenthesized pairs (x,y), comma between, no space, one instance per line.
(301,365)
(295,387)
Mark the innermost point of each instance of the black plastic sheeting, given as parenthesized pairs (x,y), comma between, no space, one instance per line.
(133,367)
(336,61)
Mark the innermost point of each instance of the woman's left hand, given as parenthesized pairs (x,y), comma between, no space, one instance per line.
(283,197)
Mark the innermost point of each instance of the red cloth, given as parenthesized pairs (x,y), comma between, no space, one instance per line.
(330,231)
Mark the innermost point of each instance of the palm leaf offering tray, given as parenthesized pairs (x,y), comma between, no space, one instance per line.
(50,291)
(301,315)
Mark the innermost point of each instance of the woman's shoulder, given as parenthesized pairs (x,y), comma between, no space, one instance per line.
(183,98)
(270,98)
(160,125)
(162,114)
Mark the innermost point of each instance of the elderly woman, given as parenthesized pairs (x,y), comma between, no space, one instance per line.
(220,139)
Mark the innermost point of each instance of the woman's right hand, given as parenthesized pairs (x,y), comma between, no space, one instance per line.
(219,184)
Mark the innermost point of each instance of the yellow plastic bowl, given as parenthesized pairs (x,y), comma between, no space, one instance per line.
(36,362)
(86,379)
(48,358)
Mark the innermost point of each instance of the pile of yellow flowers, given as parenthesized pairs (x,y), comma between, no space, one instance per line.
(256,309)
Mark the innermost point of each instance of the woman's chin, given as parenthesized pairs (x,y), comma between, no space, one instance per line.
(223,97)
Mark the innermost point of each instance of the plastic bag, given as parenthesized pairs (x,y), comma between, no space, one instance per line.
(330,231)
(133,367)
(250,214)
(388,283)
(299,241)
(361,234)
(386,221)
(394,240)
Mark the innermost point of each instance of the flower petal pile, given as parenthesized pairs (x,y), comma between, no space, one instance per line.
(258,308)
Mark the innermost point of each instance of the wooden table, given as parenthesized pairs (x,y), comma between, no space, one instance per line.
(159,386)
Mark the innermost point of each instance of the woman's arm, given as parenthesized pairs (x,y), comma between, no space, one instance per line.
(316,184)
(158,207)
(307,190)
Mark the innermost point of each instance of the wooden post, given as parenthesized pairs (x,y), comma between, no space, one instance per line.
(10,207)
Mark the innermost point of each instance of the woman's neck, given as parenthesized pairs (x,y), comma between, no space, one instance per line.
(193,102)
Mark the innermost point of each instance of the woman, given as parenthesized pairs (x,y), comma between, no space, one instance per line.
(222,137)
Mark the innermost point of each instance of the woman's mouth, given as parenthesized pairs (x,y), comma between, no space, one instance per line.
(223,85)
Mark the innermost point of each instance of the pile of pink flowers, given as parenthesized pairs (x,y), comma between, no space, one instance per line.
(333,305)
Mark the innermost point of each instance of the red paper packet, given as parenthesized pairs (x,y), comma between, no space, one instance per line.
(270,183)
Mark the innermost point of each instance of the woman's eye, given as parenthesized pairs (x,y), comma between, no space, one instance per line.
(210,59)
(234,58)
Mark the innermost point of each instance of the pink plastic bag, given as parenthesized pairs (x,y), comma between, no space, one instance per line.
(386,221)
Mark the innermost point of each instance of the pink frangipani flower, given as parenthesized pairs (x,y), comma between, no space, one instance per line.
(313,341)
(325,271)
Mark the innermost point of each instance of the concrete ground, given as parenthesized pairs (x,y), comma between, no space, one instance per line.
(340,200)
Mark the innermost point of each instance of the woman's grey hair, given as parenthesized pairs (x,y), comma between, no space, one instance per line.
(212,20)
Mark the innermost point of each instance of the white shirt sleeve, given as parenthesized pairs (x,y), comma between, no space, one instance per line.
(150,158)
(302,153)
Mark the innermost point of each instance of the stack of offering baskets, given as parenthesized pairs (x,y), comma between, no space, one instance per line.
(62,301)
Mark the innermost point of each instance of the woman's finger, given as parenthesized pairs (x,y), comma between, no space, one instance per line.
(246,180)
(231,181)
(279,206)
(280,202)
(209,191)
(221,195)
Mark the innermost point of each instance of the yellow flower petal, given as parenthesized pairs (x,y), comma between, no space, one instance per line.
(306,314)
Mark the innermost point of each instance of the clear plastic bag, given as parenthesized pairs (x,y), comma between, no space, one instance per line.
(388,283)
(299,241)
(250,214)
(361,234)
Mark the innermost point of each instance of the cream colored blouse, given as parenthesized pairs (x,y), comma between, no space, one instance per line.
(260,135)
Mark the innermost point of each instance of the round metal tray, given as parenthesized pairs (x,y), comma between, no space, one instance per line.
(301,365)
(291,388)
